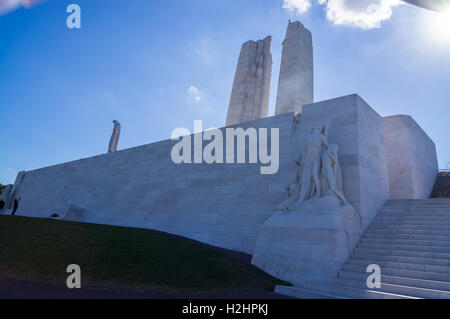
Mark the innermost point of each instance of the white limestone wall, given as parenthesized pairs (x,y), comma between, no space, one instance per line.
(222,205)
(251,87)
(411,157)
(358,130)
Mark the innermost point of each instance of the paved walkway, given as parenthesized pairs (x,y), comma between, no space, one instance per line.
(10,289)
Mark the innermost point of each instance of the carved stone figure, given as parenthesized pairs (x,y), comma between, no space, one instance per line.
(114,141)
(294,191)
(331,173)
(310,176)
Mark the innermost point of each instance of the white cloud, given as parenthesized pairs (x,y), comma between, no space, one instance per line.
(9,5)
(365,14)
(207,50)
(203,48)
(194,93)
(200,102)
(297,6)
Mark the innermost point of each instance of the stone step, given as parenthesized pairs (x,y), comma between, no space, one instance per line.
(408,218)
(428,201)
(408,231)
(402,281)
(435,201)
(367,259)
(388,246)
(418,217)
(415,222)
(402,266)
(417,207)
(410,241)
(416,210)
(362,264)
(412,213)
(394,235)
(392,241)
(425,275)
(409,202)
(393,226)
(428,206)
(417,292)
(374,252)
(335,291)
(421,218)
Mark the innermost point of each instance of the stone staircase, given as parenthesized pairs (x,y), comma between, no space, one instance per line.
(410,241)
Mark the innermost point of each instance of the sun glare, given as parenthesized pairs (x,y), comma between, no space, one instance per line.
(439,25)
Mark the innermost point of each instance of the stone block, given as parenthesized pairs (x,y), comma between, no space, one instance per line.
(299,246)
(359,131)
(411,158)
(74,214)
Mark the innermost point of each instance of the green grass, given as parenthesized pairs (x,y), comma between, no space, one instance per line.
(118,258)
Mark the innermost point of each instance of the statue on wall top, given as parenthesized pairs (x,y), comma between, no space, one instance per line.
(4,199)
(6,192)
(318,179)
(114,141)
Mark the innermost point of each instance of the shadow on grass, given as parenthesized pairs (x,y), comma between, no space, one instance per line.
(122,259)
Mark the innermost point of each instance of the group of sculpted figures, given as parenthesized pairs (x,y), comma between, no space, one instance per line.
(318,173)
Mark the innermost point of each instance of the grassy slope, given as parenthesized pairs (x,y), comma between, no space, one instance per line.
(120,258)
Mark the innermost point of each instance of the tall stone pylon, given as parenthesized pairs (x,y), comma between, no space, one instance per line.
(296,83)
(251,88)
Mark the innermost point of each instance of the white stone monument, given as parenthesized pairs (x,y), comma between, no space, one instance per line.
(296,82)
(251,88)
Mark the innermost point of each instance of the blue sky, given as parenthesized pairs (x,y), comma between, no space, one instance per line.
(161,64)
